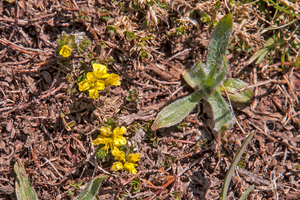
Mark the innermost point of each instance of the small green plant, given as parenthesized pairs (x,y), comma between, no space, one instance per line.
(202,143)
(176,194)
(81,15)
(22,184)
(133,95)
(168,161)
(207,81)
(76,185)
(122,195)
(102,154)
(111,123)
(136,185)
(134,127)
(68,43)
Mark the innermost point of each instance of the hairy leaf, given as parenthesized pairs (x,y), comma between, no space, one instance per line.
(91,189)
(22,184)
(196,76)
(222,115)
(232,86)
(177,111)
(218,44)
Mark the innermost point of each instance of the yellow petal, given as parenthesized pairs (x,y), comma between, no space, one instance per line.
(84,85)
(105,76)
(119,141)
(133,158)
(119,131)
(120,155)
(99,70)
(109,143)
(93,93)
(99,85)
(97,141)
(105,131)
(117,166)
(90,76)
(65,51)
(130,167)
(113,79)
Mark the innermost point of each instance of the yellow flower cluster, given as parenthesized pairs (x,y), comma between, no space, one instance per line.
(98,80)
(128,163)
(65,51)
(112,140)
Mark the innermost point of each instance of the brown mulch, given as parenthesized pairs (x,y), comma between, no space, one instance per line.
(34,93)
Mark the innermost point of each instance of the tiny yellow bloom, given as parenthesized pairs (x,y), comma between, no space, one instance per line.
(120,155)
(65,51)
(117,166)
(111,139)
(92,85)
(118,137)
(100,71)
(130,167)
(105,131)
(113,79)
(133,157)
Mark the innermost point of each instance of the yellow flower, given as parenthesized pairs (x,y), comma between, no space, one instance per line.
(118,137)
(120,155)
(129,163)
(105,131)
(133,158)
(113,79)
(92,85)
(130,167)
(111,139)
(117,166)
(100,71)
(65,51)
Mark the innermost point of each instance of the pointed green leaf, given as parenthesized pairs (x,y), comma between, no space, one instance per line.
(176,112)
(222,115)
(196,76)
(246,192)
(261,56)
(233,165)
(22,184)
(297,62)
(232,86)
(220,76)
(257,54)
(91,189)
(211,75)
(218,44)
